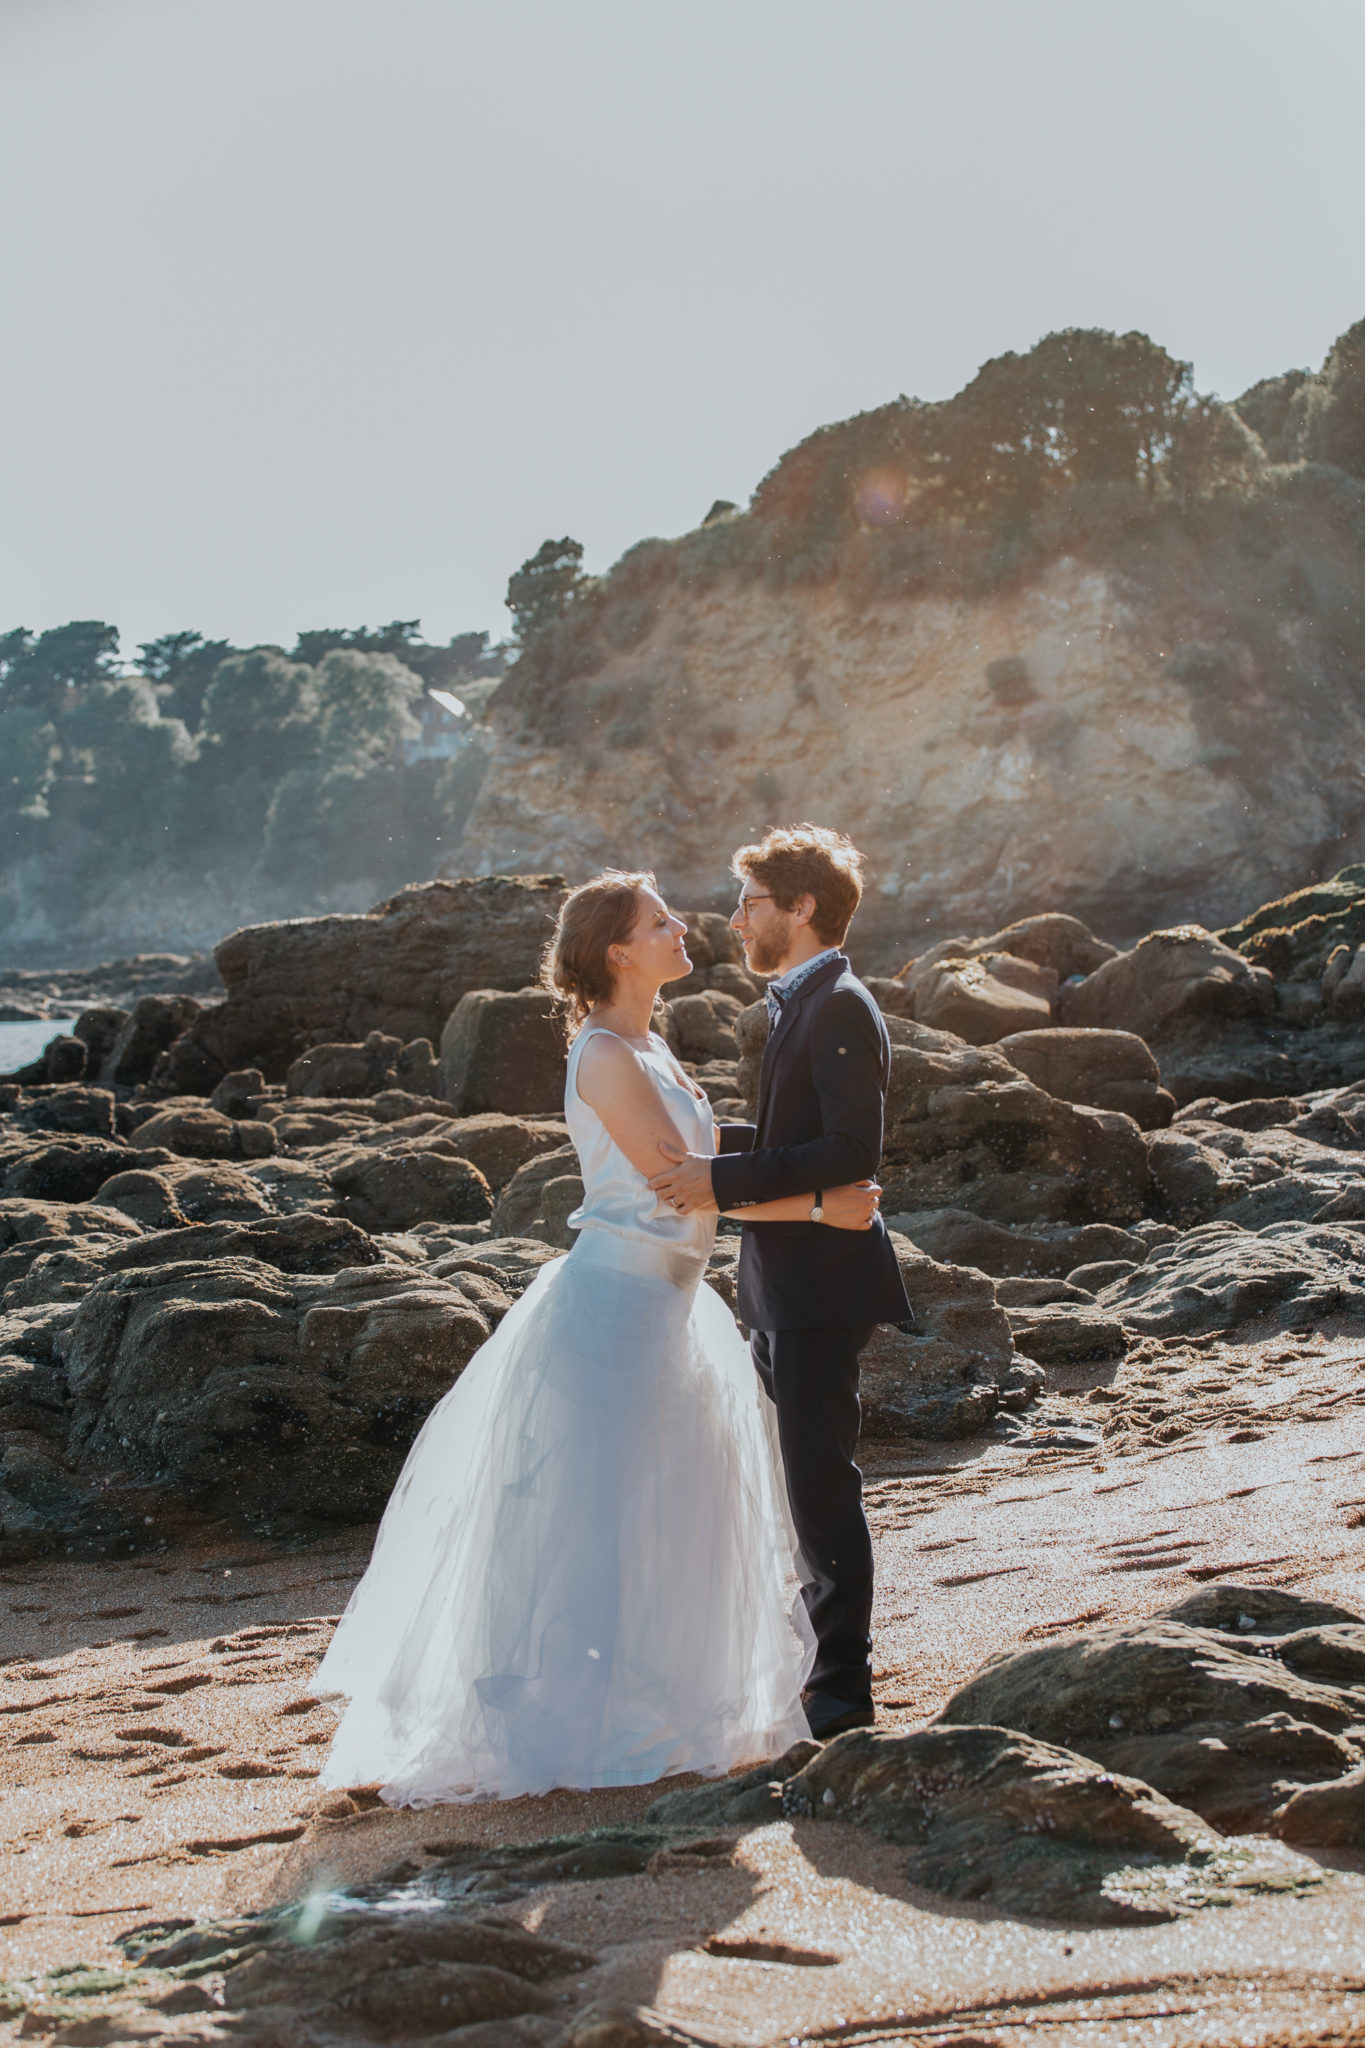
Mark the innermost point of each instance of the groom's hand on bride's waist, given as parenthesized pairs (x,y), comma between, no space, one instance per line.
(686,1184)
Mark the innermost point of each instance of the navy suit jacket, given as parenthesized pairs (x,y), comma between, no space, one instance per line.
(821,1093)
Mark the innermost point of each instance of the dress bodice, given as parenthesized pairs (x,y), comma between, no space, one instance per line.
(616,1197)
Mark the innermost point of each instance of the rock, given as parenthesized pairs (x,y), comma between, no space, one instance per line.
(1052,940)
(1257,1611)
(984,999)
(345,1069)
(1058,1334)
(538,1198)
(498,1145)
(64,1059)
(1221,1727)
(986,1813)
(236,1093)
(1295,936)
(400,969)
(417,1068)
(204,1134)
(201,1191)
(1330,1816)
(1104,1069)
(504,1051)
(28,1227)
(964,1129)
(1101,1273)
(892,997)
(144,1198)
(1206,1170)
(751,1036)
(98,1028)
(68,1169)
(272,1396)
(89,1111)
(959,1238)
(1169,977)
(943,1377)
(1219,1277)
(151,1026)
(1039,1293)
(717,957)
(412,1183)
(704,1026)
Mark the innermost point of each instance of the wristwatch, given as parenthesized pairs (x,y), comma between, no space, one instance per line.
(817,1207)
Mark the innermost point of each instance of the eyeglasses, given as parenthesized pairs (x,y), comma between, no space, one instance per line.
(742,907)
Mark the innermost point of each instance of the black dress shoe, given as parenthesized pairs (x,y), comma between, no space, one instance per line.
(829,1716)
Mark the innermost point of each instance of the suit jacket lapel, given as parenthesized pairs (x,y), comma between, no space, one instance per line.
(783,1027)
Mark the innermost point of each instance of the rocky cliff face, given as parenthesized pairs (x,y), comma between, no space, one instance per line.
(1128,749)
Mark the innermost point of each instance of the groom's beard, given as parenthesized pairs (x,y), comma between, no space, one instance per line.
(766,953)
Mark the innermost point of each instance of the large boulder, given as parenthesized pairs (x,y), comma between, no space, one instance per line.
(1103,1069)
(986,1813)
(202,1133)
(959,1238)
(499,1145)
(362,1069)
(965,1129)
(153,1025)
(1224,1719)
(269,1396)
(703,1026)
(983,998)
(504,1051)
(400,968)
(1218,1277)
(540,1197)
(1168,978)
(66,1169)
(422,1181)
(170,1191)
(28,1228)
(947,1373)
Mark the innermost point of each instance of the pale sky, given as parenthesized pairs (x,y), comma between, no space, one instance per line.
(321,312)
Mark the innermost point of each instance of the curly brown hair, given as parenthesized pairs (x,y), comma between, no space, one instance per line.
(808,860)
(596,916)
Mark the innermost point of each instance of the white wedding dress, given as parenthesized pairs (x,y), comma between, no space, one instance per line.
(584,1576)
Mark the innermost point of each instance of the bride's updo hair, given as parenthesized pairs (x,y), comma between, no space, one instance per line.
(574,966)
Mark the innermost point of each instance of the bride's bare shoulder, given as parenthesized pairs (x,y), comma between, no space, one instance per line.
(606,1065)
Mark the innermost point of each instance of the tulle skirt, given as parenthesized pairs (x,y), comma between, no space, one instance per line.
(585,1574)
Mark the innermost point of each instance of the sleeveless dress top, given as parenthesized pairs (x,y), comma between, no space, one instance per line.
(616,1197)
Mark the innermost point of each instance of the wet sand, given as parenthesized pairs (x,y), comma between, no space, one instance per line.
(161,1745)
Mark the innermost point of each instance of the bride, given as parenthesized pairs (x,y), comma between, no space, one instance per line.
(584,1576)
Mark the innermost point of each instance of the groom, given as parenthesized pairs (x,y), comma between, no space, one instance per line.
(811,1296)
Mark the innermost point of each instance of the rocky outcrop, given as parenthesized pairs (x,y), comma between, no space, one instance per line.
(1225,1709)
(362,1069)
(400,969)
(1218,1278)
(1102,1069)
(986,1813)
(965,1129)
(953,1368)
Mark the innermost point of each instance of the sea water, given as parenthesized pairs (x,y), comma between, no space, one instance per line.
(20,1043)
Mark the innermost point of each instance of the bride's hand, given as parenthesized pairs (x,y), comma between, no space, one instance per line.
(852,1208)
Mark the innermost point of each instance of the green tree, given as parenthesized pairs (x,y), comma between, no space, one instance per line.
(365,707)
(546,586)
(182,665)
(1335,426)
(49,670)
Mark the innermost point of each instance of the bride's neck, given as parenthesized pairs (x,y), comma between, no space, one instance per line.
(629,1011)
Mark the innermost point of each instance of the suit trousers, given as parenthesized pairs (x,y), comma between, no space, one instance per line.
(811,1377)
